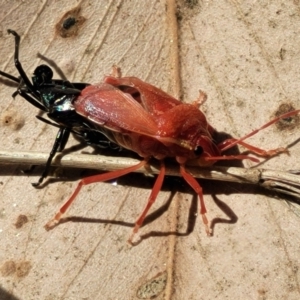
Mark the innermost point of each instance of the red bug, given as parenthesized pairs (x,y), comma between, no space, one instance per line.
(148,121)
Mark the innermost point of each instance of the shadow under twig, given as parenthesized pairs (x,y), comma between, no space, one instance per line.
(226,210)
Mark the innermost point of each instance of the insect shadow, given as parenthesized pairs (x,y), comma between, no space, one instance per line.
(174,185)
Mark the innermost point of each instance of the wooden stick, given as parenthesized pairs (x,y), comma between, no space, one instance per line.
(279,181)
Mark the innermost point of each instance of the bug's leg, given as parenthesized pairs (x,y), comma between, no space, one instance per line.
(19,65)
(22,93)
(88,180)
(30,99)
(155,190)
(60,142)
(261,152)
(116,71)
(197,188)
(229,157)
(202,97)
(77,85)
(11,77)
(64,139)
(227,144)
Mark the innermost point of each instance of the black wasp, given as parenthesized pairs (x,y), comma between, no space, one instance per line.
(56,98)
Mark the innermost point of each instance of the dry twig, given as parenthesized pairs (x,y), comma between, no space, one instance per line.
(279,181)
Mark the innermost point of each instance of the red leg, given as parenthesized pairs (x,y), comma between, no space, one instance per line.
(89,180)
(230,157)
(227,144)
(116,71)
(155,190)
(197,188)
(200,100)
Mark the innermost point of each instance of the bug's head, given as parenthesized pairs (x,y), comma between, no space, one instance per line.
(42,75)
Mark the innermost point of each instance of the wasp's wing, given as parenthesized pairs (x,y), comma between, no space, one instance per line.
(154,100)
(109,107)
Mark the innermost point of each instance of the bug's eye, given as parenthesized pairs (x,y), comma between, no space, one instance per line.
(198,150)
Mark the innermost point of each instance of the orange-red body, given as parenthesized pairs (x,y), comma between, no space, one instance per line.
(148,121)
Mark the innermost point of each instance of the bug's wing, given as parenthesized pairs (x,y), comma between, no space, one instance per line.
(109,107)
(154,100)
